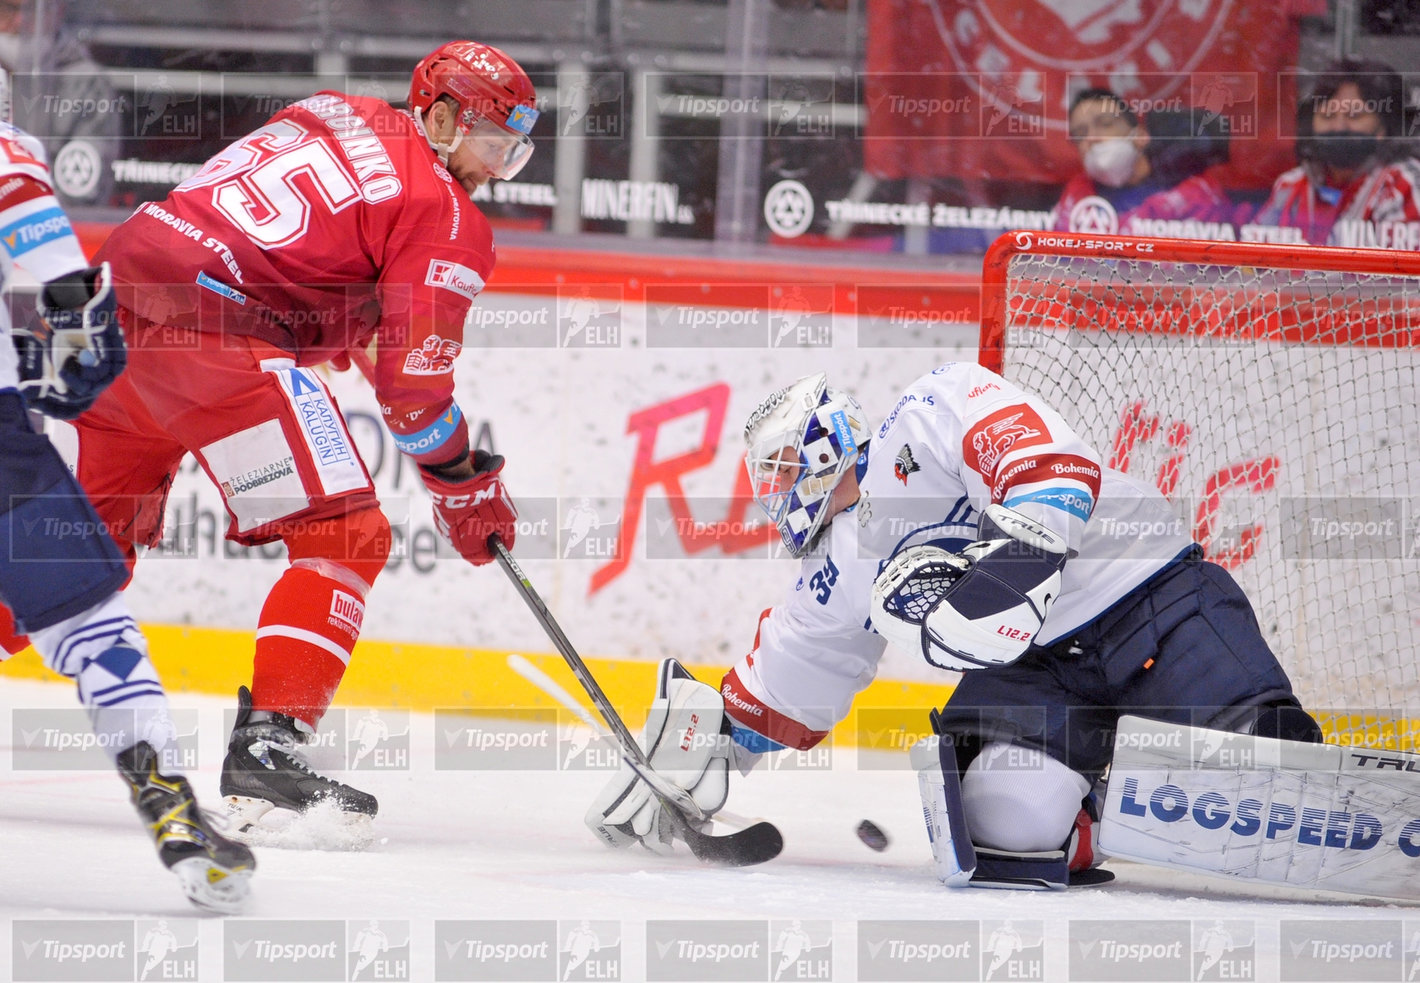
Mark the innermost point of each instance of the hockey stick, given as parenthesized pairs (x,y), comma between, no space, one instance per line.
(742,848)
(554,689)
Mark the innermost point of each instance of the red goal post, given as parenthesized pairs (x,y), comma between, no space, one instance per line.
(1273,394)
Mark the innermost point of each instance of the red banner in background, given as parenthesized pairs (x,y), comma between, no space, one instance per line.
(980,91)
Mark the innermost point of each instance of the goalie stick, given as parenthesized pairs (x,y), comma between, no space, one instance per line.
(743,848)
(553,688)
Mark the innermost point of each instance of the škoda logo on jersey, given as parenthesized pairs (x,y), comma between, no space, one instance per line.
(434,357)
(453,276)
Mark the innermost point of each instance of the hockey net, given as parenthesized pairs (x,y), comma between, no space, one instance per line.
(1271,393)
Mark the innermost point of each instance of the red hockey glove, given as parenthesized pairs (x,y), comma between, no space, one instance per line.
(469,510)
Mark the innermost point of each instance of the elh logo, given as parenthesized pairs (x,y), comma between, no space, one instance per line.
(800,950)
(377,740)
(167,949)
(587,321)
(802,317)
(377,950)
(589,950)
(585,533)
(1013,950)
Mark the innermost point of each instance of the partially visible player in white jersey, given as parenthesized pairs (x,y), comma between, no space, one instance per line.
(975,529)
(61,570)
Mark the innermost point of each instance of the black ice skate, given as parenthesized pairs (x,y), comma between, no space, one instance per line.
(215,873)
(266,779)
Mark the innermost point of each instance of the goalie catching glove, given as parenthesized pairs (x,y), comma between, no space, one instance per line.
(78,350)
(978,608)
(688,744)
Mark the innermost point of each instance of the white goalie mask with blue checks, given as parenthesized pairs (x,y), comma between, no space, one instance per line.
(800,442)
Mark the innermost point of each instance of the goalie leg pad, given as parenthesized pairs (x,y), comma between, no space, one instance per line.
(935,761)
(1317,816)
(59,559)
(687,742)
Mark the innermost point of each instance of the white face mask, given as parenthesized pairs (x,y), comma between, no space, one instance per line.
(1111,162)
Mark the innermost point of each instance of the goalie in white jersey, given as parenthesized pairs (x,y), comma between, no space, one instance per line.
(974,528)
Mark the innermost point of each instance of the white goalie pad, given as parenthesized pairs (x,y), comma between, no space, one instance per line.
(1319,816)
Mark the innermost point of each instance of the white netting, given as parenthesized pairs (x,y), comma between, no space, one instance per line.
(1277,408)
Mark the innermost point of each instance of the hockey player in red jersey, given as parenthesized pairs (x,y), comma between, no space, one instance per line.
(343,222)
(61,574)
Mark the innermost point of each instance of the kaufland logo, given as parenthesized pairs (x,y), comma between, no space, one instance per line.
(453,276)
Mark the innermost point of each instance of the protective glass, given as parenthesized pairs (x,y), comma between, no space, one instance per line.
(502,151)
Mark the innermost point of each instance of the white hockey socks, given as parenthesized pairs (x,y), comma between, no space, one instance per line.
(103,651)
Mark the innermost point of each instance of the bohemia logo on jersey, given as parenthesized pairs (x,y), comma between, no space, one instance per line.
(435,357)
(1007,429)
(904,465)
(453,276)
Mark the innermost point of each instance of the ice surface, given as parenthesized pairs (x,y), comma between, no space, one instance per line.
(510,844)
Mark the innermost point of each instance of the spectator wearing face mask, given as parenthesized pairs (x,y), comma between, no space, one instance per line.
(1356,182)
(1133,175)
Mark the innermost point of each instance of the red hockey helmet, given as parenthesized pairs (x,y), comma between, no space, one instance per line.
(497,104)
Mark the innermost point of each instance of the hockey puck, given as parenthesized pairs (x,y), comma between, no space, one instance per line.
(869,833)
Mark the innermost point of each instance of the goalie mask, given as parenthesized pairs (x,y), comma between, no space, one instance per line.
(801,441)
(496,103)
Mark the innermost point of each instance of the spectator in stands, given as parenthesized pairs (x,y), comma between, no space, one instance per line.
(1145,178)
(59,94)
(1356,183)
